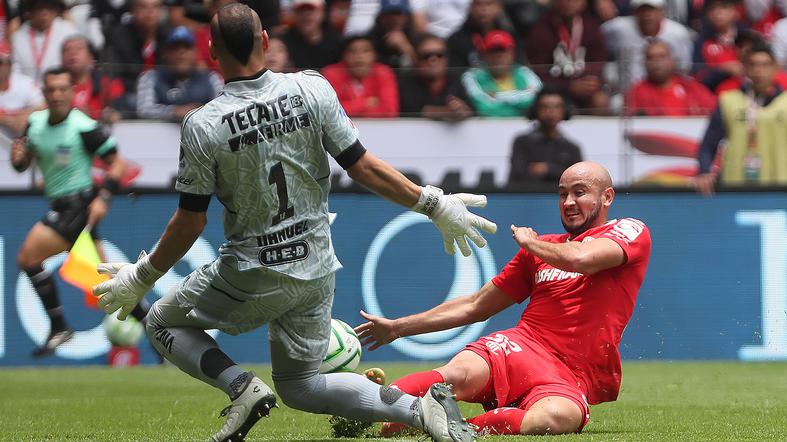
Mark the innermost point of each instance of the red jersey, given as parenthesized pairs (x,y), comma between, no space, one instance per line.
(376,95)
(581,318)
(682,96)
(734,83)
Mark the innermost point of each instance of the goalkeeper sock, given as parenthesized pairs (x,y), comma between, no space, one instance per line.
(499,421)
(45,287)
(417,384)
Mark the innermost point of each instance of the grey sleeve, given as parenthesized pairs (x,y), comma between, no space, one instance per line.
(196,164)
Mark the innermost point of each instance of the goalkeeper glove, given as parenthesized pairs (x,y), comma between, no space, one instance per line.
(128,285)
(450,215)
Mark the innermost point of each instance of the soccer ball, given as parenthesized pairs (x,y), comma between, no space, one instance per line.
(344,349)
(123,333)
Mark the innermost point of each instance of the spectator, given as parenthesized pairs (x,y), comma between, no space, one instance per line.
(135,46)
(743,43)
(502,88)
(170,91)
(365,88)
(19,97)
(392,34)
(666,92)
(277,58)
(779,41)
(751,119)
(80,13)
(484,16)
(566,49)
(7,14)
(627,37)
(715,48)
(36,45)
(442,17)
(543,154)
(311,44)
(763,14)
(202,36)
(94,92)
(427,90)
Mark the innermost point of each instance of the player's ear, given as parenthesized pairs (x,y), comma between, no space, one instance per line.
(608,195)
(265,40)
(212,50)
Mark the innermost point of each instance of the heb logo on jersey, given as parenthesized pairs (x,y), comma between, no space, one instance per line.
(284,253)
(267,120)
(553,274)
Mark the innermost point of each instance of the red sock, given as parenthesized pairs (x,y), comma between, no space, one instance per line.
(505,420)
(417,384)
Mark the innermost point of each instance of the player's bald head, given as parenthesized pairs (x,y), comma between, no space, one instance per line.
(236,30)
(593,174)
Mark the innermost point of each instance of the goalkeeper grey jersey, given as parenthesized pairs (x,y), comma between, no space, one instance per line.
(262,148)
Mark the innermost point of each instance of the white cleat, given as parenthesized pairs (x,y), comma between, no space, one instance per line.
(254,402)
(441,417)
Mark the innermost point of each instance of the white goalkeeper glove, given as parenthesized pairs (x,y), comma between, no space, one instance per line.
(450,215)
(128,285)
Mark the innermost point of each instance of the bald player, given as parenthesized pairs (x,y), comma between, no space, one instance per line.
(540,376)
(262,148)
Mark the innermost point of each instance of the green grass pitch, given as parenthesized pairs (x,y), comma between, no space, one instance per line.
(659,401)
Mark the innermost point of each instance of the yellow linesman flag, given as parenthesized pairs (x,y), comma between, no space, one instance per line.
(79,269)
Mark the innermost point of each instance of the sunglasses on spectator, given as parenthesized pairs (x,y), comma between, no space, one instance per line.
(428,55)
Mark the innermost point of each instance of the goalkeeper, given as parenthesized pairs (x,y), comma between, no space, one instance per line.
(262,148)
(63,141)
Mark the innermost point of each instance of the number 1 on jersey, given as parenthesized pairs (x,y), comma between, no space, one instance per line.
(276,176)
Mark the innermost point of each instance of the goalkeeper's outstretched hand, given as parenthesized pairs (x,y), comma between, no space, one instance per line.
(450,215)
(128,284)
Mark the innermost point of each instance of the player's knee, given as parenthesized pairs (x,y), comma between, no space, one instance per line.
(27,262)
(552,419)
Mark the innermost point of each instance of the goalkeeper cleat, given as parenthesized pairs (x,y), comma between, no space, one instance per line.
(255,401)
(441,417)
(54,340)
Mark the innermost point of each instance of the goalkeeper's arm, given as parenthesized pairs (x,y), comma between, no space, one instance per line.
(448,212)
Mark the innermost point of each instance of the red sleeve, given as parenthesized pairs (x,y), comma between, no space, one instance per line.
(516,278)
(705,98)
(632,236)
(388,93)
(635,102)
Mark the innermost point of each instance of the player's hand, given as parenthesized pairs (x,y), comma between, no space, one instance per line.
(18,152)
(128,285)
(96,211)
(377,332)
(523,235)
(451,217)
(704,183)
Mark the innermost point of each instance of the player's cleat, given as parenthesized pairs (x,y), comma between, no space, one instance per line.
(255,401)
(54,340)
(441,417)
(376,375)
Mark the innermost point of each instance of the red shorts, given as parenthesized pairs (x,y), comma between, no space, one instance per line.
(523,371)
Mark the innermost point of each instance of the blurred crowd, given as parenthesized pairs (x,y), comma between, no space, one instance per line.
(442,59)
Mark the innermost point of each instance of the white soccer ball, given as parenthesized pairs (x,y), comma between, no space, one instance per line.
(123,333)
(344,349)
